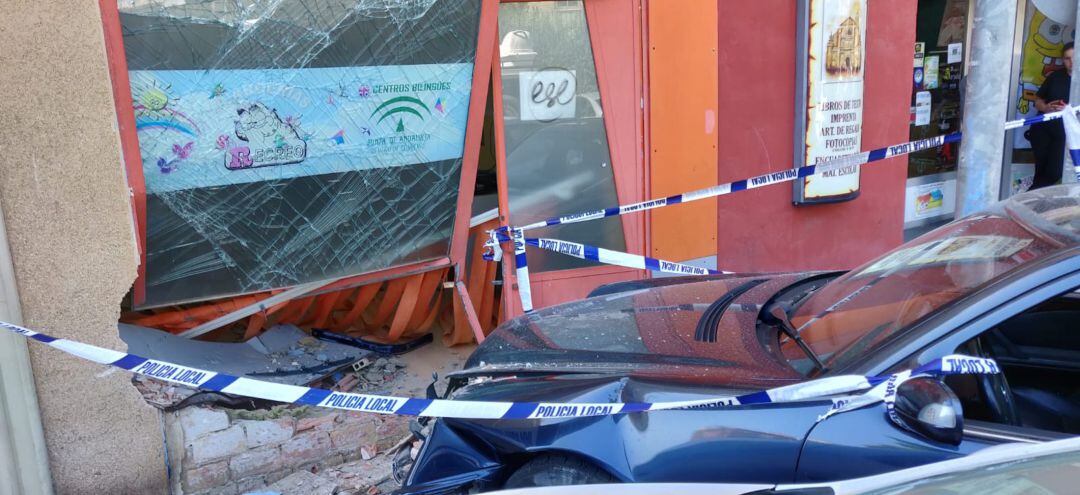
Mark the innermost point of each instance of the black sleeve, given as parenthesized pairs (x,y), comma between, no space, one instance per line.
(1044,89)
(1054,87)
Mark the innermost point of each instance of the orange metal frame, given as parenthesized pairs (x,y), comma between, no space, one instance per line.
(511,303)
(486,43)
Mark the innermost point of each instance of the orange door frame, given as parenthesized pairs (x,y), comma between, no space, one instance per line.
(629,168)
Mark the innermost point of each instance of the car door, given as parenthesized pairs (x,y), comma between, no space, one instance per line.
(864,442)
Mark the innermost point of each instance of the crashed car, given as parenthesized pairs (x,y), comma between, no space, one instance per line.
(999,284)
(1049,468)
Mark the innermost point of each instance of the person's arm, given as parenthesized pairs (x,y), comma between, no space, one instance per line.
(1041,103)
(1046,107)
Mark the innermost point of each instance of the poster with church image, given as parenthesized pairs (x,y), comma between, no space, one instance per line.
(833,58)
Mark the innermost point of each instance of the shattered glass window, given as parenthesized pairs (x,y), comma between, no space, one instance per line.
(292,141)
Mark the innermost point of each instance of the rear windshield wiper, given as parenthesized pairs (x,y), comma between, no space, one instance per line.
(777,317)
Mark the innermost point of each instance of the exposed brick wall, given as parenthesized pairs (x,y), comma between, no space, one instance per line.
(226,454)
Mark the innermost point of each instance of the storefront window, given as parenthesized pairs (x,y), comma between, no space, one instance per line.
(936,109)
(936,94)
(558,161)
(1044,37)
(292,141)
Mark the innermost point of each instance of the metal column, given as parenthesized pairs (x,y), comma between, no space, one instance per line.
(24,462)
(985,106)
(1069,174)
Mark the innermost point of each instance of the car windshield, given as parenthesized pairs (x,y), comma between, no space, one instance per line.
(860,310)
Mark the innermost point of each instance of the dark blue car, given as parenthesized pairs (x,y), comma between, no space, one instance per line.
(1001,284)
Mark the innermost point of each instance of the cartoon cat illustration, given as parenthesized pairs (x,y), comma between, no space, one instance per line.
(267,140)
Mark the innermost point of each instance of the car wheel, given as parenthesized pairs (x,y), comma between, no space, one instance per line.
(557,470)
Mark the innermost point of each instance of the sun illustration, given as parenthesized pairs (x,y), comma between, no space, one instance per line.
(152,98)
(155,108)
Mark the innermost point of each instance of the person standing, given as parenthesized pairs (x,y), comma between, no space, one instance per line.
(1048,138)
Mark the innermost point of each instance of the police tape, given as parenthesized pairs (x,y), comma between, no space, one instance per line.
(1072,140)
(1072,127)
(855,391)
(521,262)
(592,253)
(827,164)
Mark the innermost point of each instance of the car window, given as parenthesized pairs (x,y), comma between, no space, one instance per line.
(862,310)
(1039,353)
(858,311)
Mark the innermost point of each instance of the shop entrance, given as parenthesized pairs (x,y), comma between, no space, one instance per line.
(1042,29)
(940,63)
(568,120)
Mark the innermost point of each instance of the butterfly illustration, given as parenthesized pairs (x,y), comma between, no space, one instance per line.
(183,152)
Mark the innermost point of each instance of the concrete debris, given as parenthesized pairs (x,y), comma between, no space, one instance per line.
(369,477)
(282,354)
(161,394)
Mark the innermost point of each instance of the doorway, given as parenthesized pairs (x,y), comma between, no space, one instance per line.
(940,54)
(568,122)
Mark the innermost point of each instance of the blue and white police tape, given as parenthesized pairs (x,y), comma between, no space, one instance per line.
(1072,139)
(884,390)
(844,392)
(598,254)
(521,263)
(827,164)
(610,257)
(522,266)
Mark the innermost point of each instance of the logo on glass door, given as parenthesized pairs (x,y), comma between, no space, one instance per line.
(548,94)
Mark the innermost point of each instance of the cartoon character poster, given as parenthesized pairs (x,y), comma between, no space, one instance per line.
(1047,27)
(215,127)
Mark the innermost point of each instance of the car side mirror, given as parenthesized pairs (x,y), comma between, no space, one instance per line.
(929,407)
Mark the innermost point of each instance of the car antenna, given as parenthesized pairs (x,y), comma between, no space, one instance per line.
(778,317)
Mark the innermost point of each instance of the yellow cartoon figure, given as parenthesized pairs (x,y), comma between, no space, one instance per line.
(1042,56)
(154,99)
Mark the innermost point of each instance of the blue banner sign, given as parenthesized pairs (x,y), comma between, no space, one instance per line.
(203,128)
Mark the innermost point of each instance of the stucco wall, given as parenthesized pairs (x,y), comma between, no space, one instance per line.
(762,231)
(69,225)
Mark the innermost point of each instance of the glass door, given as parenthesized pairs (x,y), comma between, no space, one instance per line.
(558,158)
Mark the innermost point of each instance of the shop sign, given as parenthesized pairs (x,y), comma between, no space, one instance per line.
(258,125)
(929,200)
(930,67)
(832,62)
(922,108)
(548,95)
(956,53)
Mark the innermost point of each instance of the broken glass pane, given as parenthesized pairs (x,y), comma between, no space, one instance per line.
(291,141)
(557,157)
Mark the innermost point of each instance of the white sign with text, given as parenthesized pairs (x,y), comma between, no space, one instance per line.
(547,95)
(837,59)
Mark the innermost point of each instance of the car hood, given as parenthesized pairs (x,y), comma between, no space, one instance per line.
(649,333)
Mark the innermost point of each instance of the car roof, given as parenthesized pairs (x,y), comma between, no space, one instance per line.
(1054,211)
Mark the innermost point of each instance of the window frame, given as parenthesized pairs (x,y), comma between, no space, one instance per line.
(1042,289)
(455,257)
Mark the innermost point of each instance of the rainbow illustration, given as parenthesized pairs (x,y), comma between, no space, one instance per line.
(143,124)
